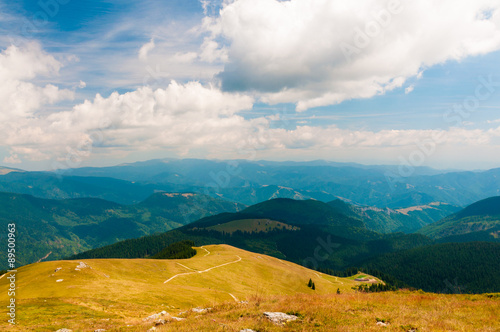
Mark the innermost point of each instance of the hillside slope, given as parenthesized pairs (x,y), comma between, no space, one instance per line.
(126,291)
(59,228)
(305,232)
(477,222)
(406,220)
(446,268)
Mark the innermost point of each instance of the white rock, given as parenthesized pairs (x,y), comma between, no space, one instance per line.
(155,316)
(64,330)
(177,319)
(382,324)
(59,280)
(279,318)
(82,265)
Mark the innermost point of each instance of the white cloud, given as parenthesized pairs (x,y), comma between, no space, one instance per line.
(322,52)
(179,118)
(20,96)
(145,49)
(409,89)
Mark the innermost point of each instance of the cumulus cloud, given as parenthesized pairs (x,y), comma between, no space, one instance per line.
(19,66)
(322,52)
(179,118)
(183,118)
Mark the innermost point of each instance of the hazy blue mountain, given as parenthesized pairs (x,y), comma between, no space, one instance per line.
(250,182)
(254,182)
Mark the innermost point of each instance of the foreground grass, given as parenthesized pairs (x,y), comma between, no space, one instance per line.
(116,295)
(353,312)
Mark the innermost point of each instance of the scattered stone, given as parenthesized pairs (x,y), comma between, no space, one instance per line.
(58,269)
(59,280)
(160,322)
(200,310)
(243,302)
(155,316)
(412,330)
(152,329)
(247,330)
(382,324)
(279,318)
(100,330)
(82,265)
(177,319)
(77,269)
(64,330)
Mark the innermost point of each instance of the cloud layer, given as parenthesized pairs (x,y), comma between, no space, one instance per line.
(322,52)
(308,52)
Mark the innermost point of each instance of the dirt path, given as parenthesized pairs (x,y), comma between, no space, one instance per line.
(234,297)
(208,252)
(207,270)
(184,266)
(41,259)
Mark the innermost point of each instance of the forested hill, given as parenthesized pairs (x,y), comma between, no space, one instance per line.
(446,268)
(477,222)
(53,229)
(287,229)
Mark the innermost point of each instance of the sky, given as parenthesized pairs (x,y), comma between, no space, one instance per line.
(95,83)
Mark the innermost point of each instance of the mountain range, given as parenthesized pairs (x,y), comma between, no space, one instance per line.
(248,182)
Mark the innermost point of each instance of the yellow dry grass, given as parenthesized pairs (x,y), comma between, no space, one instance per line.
(117,294)
(121,292)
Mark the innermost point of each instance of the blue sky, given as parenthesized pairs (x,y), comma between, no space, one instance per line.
(105,82)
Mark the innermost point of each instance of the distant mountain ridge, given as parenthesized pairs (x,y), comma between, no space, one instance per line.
(250,182)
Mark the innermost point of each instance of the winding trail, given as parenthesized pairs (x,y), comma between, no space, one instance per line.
(209,269)
(184,266)
(208,252)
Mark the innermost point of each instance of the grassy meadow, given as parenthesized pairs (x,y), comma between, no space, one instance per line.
(117,294)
